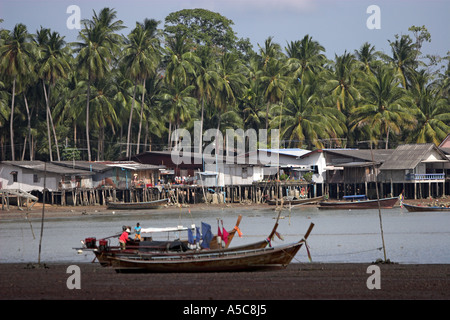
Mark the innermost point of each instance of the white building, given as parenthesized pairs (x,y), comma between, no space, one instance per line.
(29,176)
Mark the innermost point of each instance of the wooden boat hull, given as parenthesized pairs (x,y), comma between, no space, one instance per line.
(413,208)
(157,204)
(225,261)
(247,260)
(385,203)
(295,201)
(104,257)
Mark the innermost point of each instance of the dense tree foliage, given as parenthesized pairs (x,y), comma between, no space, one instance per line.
(109,96)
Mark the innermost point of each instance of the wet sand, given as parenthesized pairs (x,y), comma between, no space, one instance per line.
(297,281)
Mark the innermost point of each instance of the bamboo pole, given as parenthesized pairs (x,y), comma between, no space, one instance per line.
(43,211)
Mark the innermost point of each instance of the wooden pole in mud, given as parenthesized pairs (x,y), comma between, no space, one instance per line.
(43,211)
(378,198)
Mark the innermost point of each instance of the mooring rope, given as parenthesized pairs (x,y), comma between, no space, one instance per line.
(349,253)
(327,255)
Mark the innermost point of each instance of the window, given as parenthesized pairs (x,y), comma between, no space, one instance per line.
(35,178)
(14,176)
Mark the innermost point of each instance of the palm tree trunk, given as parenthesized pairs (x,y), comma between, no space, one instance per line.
(48,123)
(200,140)
(11,127)
(87,116)
(53,128)
(128,154)
(74,134)
(28,126)
(101,141)
(387,138)
(169,143)
(24,148)
(49,138)
(140,118)
(50,117)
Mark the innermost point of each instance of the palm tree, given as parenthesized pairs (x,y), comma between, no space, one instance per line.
(103,113)
(15,61)
(4,115)
(270,51)
(53,64)
(181,61)
(231,82)
(251,106)
(341,82)
(95,52)
(404,53)
(178,104)
(305,56)
(141,60)
(367,56)
(154,122)
(273,74)
(383,107)
(68,108)
(154,35)
(431,110)
(304,120)
(206,81)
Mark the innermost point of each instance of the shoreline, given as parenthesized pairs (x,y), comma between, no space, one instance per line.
(305,281)
(58,211)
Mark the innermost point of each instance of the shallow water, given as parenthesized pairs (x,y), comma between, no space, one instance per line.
(338,236)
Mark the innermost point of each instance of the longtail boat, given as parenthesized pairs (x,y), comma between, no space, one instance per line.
(105,253)
(225,261)
(156,204)
(416,208)
(294,201)
(384,203)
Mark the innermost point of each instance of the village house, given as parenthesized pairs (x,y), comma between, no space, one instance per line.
(445,146)
(353,171)
(230,173)
(77,182)
(417,170)
(21,181)
(28,176)
(171,171)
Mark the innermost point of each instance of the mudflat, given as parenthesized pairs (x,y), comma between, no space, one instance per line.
(299,281)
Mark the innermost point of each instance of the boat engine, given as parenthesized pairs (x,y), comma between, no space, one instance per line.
(102,244)
(90,243)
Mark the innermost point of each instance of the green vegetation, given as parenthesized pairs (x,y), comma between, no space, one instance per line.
(110,95)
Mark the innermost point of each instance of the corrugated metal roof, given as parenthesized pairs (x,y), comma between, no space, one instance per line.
(379,155)
(408,156)
(83,165)
(295,152)
(132,165)
(37,165)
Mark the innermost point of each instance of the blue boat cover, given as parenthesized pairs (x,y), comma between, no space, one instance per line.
(206,235)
